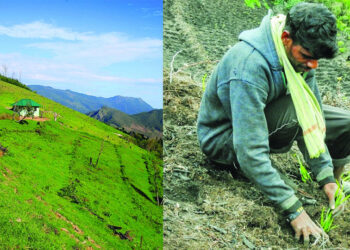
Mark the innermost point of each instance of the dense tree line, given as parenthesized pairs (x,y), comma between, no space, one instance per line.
(154,145)
(14,82)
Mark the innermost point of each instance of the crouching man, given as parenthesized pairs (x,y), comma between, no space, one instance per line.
(263,95)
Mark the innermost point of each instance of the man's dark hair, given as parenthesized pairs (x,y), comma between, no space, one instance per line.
(313,27)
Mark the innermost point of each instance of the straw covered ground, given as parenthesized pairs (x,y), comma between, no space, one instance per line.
(206,207)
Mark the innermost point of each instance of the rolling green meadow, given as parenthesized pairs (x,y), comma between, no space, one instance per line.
(75,182)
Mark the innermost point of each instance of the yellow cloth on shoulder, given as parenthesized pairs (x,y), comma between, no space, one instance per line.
(307,108)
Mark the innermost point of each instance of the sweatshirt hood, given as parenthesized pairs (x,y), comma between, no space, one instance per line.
(261,39)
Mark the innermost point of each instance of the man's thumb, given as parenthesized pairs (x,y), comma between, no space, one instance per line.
(332,203)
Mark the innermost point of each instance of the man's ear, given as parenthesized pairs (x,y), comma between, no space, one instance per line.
(286,38)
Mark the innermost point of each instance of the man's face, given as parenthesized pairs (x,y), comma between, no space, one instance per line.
(300,58)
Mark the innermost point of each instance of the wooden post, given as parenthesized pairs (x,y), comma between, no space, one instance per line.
(99,154)
(90,161)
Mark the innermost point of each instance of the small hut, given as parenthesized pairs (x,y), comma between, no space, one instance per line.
(24,106)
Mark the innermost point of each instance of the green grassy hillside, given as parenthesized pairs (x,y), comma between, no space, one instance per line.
(152,119)
(74,183)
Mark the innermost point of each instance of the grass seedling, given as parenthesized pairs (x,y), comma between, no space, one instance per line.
(252,3)
(326,221)
(340,198)
(341,46)
(346,176)
(305,176)
(203,81)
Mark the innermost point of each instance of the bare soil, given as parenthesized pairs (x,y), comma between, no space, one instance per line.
(205,206)
(39,119)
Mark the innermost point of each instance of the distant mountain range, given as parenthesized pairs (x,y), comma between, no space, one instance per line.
(147,123)
(86,103)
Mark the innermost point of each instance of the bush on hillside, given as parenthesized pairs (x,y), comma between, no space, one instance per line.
(154,145)
(14,82)
(9,117)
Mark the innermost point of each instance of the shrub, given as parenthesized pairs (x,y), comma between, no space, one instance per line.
(14,82)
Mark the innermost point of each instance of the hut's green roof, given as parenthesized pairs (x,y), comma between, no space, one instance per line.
(26,102)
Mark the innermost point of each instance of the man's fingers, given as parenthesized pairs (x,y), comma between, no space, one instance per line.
(297,235)
(303,225)
(306,236)
(318,231)
(332,203)
(316,235)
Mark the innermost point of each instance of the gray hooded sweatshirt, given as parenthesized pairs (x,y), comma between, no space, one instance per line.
(232,125)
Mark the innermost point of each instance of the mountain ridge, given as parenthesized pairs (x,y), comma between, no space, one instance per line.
(86,103)
(148,123)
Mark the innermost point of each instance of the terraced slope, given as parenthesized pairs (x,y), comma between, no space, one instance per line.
(74,182)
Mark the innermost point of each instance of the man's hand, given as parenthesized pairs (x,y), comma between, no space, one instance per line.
(330,190)
(303,225)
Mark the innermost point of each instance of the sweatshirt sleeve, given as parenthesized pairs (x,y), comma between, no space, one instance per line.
(322,166)
(251,145)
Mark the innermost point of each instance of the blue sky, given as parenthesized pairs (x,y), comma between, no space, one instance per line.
(96,47)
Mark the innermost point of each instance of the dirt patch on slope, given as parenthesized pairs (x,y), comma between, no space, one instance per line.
(39,119)
(205,206)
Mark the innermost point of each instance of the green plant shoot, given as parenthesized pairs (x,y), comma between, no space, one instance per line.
(340,198)
(340,43)
(327,220)
(305,176)
(346,176)
(266,5)
(203,81)
(342,50)
(252,3)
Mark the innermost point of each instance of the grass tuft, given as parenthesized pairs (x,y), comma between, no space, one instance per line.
(305,176)
(340,197)
(203,81)
(326,221)
(327,218)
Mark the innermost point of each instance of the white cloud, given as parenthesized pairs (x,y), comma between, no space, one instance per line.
(102,49)
(158,13)
(41,30)
(46,78)
(116,79)
(150,12)
(78,58)
(50,71)
(88,50)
